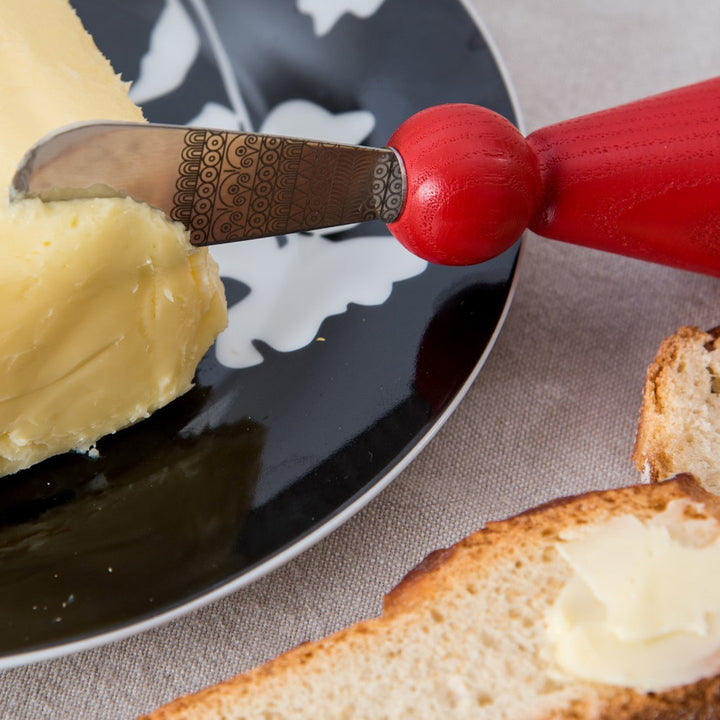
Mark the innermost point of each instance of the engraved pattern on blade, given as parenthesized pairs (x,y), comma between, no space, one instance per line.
(240,186)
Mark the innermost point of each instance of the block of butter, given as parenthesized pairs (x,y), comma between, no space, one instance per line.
(106,307)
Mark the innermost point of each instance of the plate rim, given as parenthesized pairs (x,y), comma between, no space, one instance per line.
(339,518)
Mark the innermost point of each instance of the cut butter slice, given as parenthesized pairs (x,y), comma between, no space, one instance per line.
(106,307)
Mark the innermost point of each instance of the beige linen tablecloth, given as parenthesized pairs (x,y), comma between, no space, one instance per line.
(553,411)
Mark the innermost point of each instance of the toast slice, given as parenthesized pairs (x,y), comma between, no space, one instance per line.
(679,426)
(463,636)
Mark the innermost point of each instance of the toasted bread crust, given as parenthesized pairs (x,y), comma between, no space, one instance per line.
(651,454)
(467,562)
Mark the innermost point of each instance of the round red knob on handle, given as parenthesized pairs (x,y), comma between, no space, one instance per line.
(472,184)
(642,179)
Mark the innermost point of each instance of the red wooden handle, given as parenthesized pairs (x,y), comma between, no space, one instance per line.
(641,179)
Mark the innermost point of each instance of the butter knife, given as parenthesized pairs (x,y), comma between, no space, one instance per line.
(457,184)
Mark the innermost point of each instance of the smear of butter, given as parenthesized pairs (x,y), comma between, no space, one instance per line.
(106,308)
(642,608)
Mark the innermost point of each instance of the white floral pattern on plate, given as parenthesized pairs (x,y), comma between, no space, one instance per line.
(174,45)
(325,13)
(294,286)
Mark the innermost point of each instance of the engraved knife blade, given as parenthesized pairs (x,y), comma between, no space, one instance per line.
(223,186)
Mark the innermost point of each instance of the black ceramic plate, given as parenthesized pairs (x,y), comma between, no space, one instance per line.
(339,380)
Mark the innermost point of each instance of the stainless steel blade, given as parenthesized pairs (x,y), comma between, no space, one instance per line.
(222,186)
